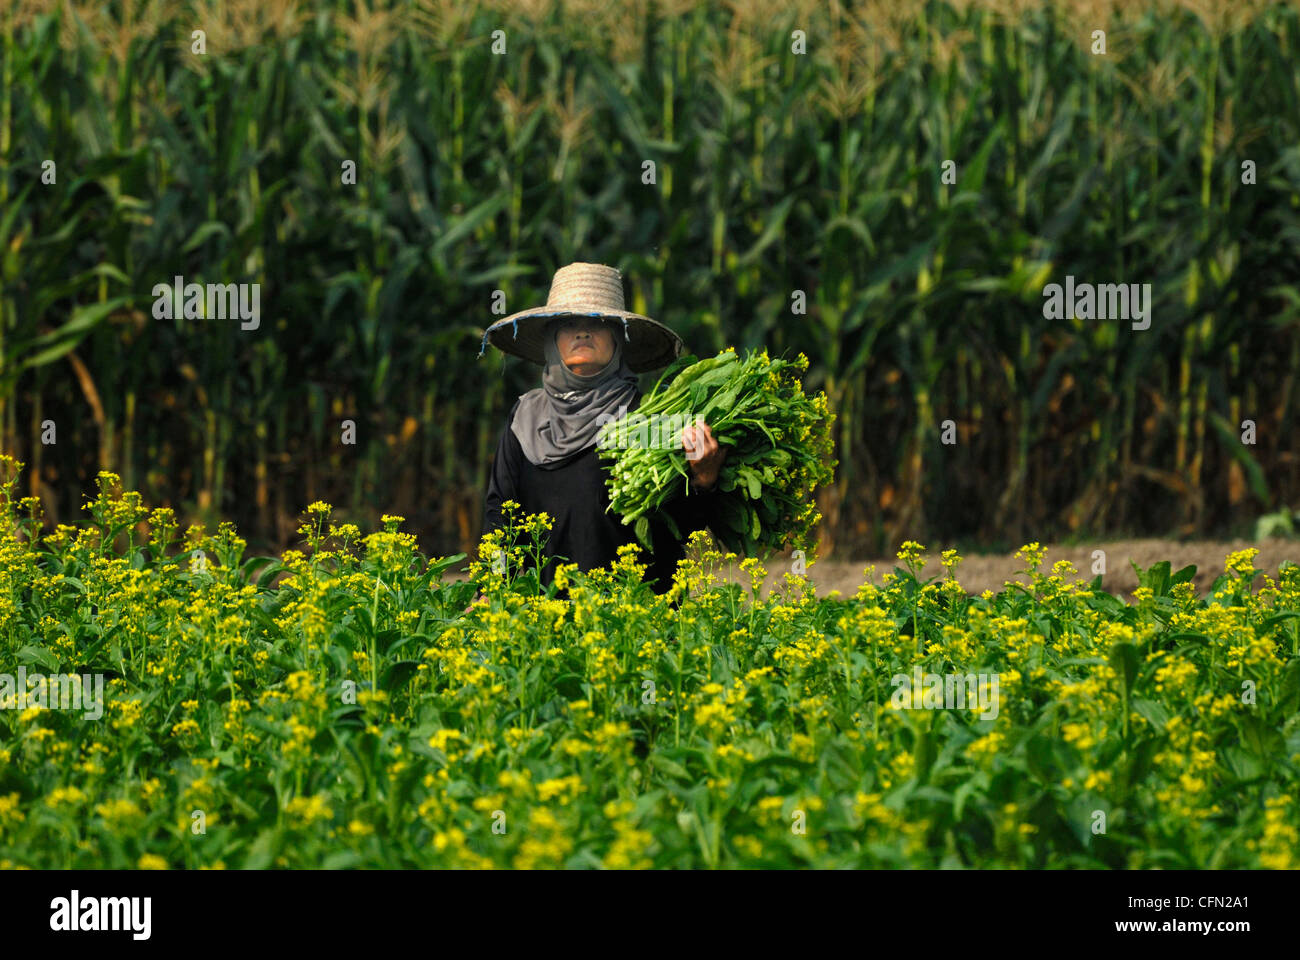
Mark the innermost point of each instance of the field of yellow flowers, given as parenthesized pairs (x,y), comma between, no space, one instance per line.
(337,707)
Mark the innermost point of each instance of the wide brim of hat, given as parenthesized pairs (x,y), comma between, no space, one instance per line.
(648,344)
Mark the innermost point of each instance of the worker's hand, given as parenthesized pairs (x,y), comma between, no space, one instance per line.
(479,601)
(704,454)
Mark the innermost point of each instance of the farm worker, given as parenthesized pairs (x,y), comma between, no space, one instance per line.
(547,461)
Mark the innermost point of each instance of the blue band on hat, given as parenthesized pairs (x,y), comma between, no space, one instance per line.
(554,313)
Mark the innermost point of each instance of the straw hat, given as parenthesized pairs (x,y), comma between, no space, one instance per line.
(586,290)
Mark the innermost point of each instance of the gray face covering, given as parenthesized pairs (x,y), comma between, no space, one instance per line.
(562,417)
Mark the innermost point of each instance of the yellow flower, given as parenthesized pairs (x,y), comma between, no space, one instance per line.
(308,810)
(9,812)
(118,811)
(1032,554)
(68,795)
(186,726)
(903,765)
(1079,734)
(563,788)
(1097,779)
(441,738)
(1241,562)
(300,685)
(986,746)
(1281,839)
(151,861)
(562,573)
(910,551)
(769,809)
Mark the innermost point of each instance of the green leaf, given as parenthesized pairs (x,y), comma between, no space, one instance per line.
(15,207)
(1258,736)
(1124,660)
(397,675)
(1140,761)
(467,224)
(341,860)
(1273,621)
(1040,758)
(1243,765)
(1288,694)
(959,798)
(39,655)
(670,767)
(1154,713)
(772,230)
(263,851)
(436,567)
(674,368)
(206,229)
(1158,578)
(84,319)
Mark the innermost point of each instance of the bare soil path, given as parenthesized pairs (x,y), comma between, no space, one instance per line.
(979,572)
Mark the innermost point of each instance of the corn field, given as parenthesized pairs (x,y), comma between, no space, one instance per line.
(802,199)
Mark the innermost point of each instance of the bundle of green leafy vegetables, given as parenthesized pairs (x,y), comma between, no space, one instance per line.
(778,444)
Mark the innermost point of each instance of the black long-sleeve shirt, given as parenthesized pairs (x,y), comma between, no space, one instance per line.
(576,495)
